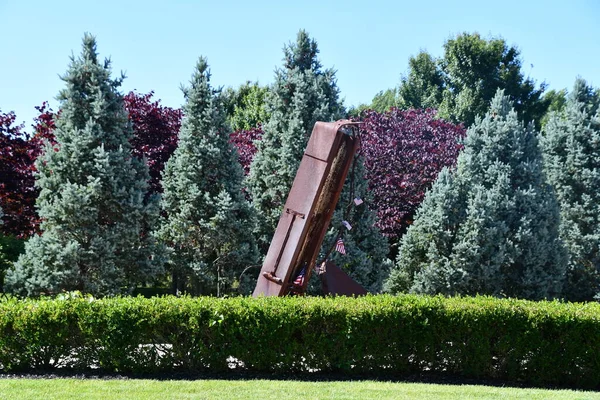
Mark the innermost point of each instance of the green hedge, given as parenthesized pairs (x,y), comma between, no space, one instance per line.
(549,343)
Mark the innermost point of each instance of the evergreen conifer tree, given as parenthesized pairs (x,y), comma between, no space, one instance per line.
(302,94)
(209,223)
(491,226)
(571,146)
(95,218)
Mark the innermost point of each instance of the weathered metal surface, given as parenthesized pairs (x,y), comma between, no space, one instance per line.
(326,203)
(335,282)
(290,229)
(308,209)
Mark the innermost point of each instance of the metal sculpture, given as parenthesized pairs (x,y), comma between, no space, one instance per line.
(308,209)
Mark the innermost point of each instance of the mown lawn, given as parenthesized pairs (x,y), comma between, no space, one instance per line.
(48,389)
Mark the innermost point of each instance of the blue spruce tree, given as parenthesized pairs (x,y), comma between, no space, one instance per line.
(490,226)
(96,217)
(209,223)
(366,259)
(302,94)
(571,146)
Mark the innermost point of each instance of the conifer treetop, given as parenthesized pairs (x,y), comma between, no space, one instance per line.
(584,97)
(91,96)
(96,216)
(501,105)
(302,54)
(199,87)
(207,218)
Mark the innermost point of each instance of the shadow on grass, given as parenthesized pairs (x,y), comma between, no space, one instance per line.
(427,378)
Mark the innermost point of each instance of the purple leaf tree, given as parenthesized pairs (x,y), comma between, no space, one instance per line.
(404,151)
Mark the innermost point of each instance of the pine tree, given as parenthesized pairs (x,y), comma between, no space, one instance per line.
(302,94)
(209,223)
(490,226)
(95,218)
(571,147)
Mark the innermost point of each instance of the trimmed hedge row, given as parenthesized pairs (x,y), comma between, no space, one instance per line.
(535,342)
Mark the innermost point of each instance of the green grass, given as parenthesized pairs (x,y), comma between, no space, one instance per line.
(49,389)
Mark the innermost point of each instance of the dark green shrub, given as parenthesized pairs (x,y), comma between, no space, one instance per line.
(542,343)
(10,250)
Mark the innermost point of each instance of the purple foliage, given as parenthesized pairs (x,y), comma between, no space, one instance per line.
(17,192)
(404,151)
(243,141)
(155,129)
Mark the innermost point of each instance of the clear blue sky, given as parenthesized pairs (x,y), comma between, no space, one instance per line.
(156,43)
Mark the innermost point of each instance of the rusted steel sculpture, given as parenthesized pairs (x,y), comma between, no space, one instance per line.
(336,282)
(308,209)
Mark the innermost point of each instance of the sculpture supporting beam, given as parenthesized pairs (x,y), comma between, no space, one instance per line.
(308,208)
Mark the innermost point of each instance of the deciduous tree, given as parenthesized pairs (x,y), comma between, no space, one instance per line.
(244,142)
(404,151)
(155,129)
(424,84)
(245,106)
(461,83)
(17,194)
